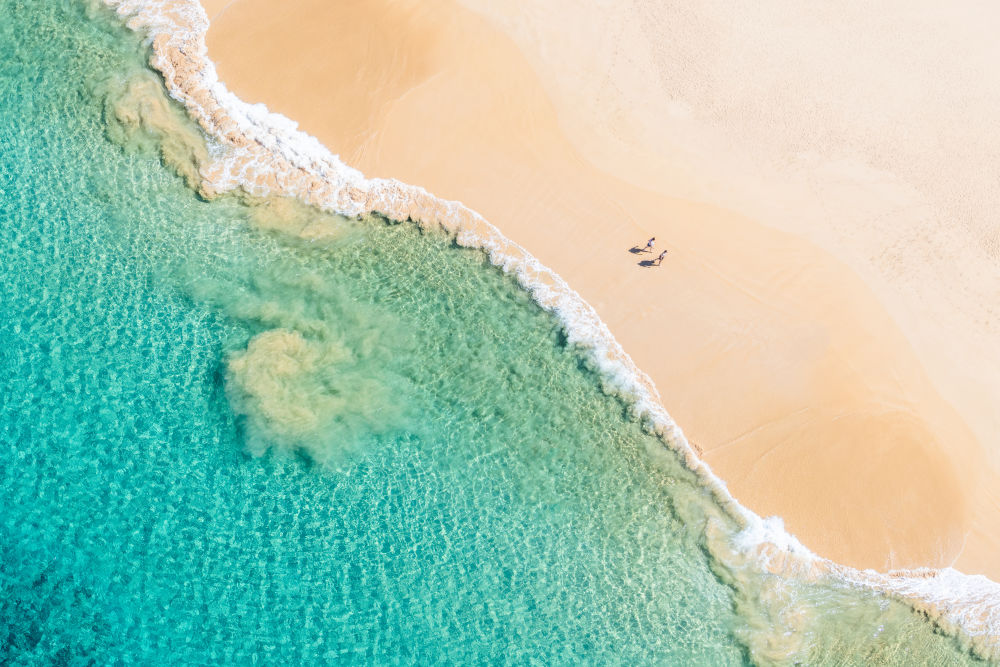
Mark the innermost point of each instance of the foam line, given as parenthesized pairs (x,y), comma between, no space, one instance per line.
(265,154)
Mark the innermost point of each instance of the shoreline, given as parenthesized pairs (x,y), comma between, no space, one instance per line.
(265,154)
(797,384)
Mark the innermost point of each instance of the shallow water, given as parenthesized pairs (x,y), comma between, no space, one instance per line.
(240,431)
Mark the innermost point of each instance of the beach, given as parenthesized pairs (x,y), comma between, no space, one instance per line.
(827,365)
(263,407)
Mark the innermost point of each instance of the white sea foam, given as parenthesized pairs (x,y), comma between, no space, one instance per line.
(264,154)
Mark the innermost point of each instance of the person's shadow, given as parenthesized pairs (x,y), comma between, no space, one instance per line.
(635,250)
(648,263)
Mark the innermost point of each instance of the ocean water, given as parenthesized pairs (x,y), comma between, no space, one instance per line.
(241,431)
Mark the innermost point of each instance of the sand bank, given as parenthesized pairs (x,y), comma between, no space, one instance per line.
(780,360)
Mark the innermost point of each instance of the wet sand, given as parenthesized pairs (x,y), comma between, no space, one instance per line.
(784,360)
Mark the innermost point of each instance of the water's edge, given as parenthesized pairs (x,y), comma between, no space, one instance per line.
(264,154)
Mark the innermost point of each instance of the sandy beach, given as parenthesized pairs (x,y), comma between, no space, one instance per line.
(823,327)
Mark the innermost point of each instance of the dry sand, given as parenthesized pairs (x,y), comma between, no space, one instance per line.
(812,385)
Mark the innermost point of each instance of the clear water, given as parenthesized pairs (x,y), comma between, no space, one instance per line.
(222,442)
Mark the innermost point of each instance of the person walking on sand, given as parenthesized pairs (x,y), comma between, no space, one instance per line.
(659,260)
(650,243)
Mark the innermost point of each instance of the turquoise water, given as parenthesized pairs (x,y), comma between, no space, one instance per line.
(222,442)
